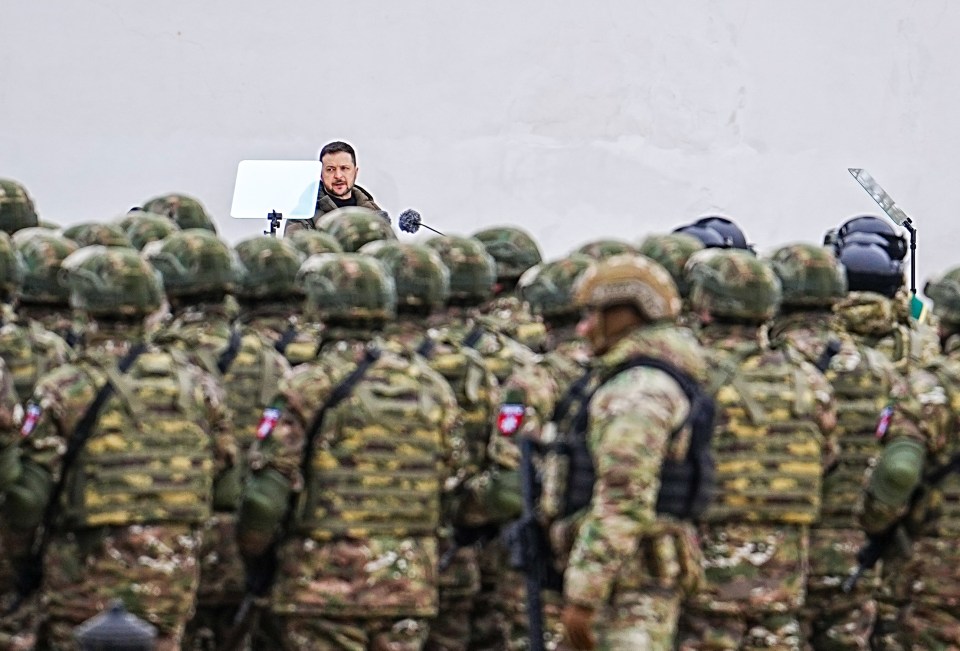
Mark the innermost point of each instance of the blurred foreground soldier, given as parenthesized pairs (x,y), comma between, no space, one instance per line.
(310,242)
(16,207)
(354,227)
(339,188)
(631,566)
(198,271)
(672,251)
(184,210)
(772,413)
(43,298)
(118,458)
(603,249)
(866,390)
(91,233)
(355,445)
(146,227)
(271,299)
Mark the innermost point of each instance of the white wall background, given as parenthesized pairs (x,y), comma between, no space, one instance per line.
(575,121)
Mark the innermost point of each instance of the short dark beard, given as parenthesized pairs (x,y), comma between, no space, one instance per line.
(330,191)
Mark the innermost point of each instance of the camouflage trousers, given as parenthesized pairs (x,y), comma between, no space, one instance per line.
(320,634)
(636,621)
(18,629)
(488,621)
(713,632)
(153,570)
(459,584)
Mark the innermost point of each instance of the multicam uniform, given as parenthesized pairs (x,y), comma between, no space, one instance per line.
(325,205)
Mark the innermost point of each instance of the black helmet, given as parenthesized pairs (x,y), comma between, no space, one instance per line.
(710,238)
(867,229)
(871,269)
(730,232)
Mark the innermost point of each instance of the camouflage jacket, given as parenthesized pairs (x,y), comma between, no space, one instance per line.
(511,316)
(58,320)
(281,324)
(621,541)
(324,205)
(29,351)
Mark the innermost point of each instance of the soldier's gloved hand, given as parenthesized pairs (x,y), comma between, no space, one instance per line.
(578,624)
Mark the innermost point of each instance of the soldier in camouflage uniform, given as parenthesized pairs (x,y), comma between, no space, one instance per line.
(773,412)
(631,567)
(672,251)
(198,271)
(514,251)
(866,388)
(145,227)
(358,562)
(184,210)
(140,488)
(91,233)
(354,227)
(310,242)
(42,298)
(271,300)
(16,207)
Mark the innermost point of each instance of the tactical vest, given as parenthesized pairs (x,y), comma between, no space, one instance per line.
(767,445)
(149,459)
(376,467)
(686,486)
(29,352)
(941,508)
(250,380)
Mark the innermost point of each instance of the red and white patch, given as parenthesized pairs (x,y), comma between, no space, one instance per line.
(30,419)
(886,415)
(269,419)
(510,419)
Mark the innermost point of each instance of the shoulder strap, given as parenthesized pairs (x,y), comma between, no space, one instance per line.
(230,354)
(288,336)
(473,337)
(426,347)
(575,393)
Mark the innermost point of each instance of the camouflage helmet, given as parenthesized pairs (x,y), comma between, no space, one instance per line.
(10,267)
(347,286)
(194,262)
(110,281)
(548,286)
(43,252)
(633,280)
(672,251)
(736,284)
(309,242)
(146,227)
(96,233)
(945,294)
(16,207)
(513,249)
(810,275)
(268,269)
(472,270)
(354,227)
(183,209)
(603,249)
(421,279)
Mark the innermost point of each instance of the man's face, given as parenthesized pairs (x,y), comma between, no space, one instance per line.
(339,174)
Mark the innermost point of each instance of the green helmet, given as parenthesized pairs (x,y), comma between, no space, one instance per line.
(10,267)
(945,294)
(145,227)
(268,269)
(672,250)
(548,287)
(183,209)
(472,270)
(513,249)
(736,284)
(309,241)
(43,252)
(603,249)
(96,233)
(810,275)
(348,286)
(194,262)
(354,227)
(106,281)
(16,207)
(422,281)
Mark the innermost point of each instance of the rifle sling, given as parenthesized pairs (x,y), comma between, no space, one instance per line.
(227,357)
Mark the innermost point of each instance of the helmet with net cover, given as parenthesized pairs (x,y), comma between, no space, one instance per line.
(10,267)
(633,280)
(146,227)
(268,269)
(42,252)
(421,279)
(513,249)
(183,209)
(97,233)
(810,275)
(347,287)
(603,249)
(472,270)
(945,294)
(548,286)
(16,207)
(735,284)
(112,281)
(310,242)
(354,227)
(194,262)
(672,251)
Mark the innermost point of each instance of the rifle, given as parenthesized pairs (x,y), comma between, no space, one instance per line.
(877,545)
(262,571)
